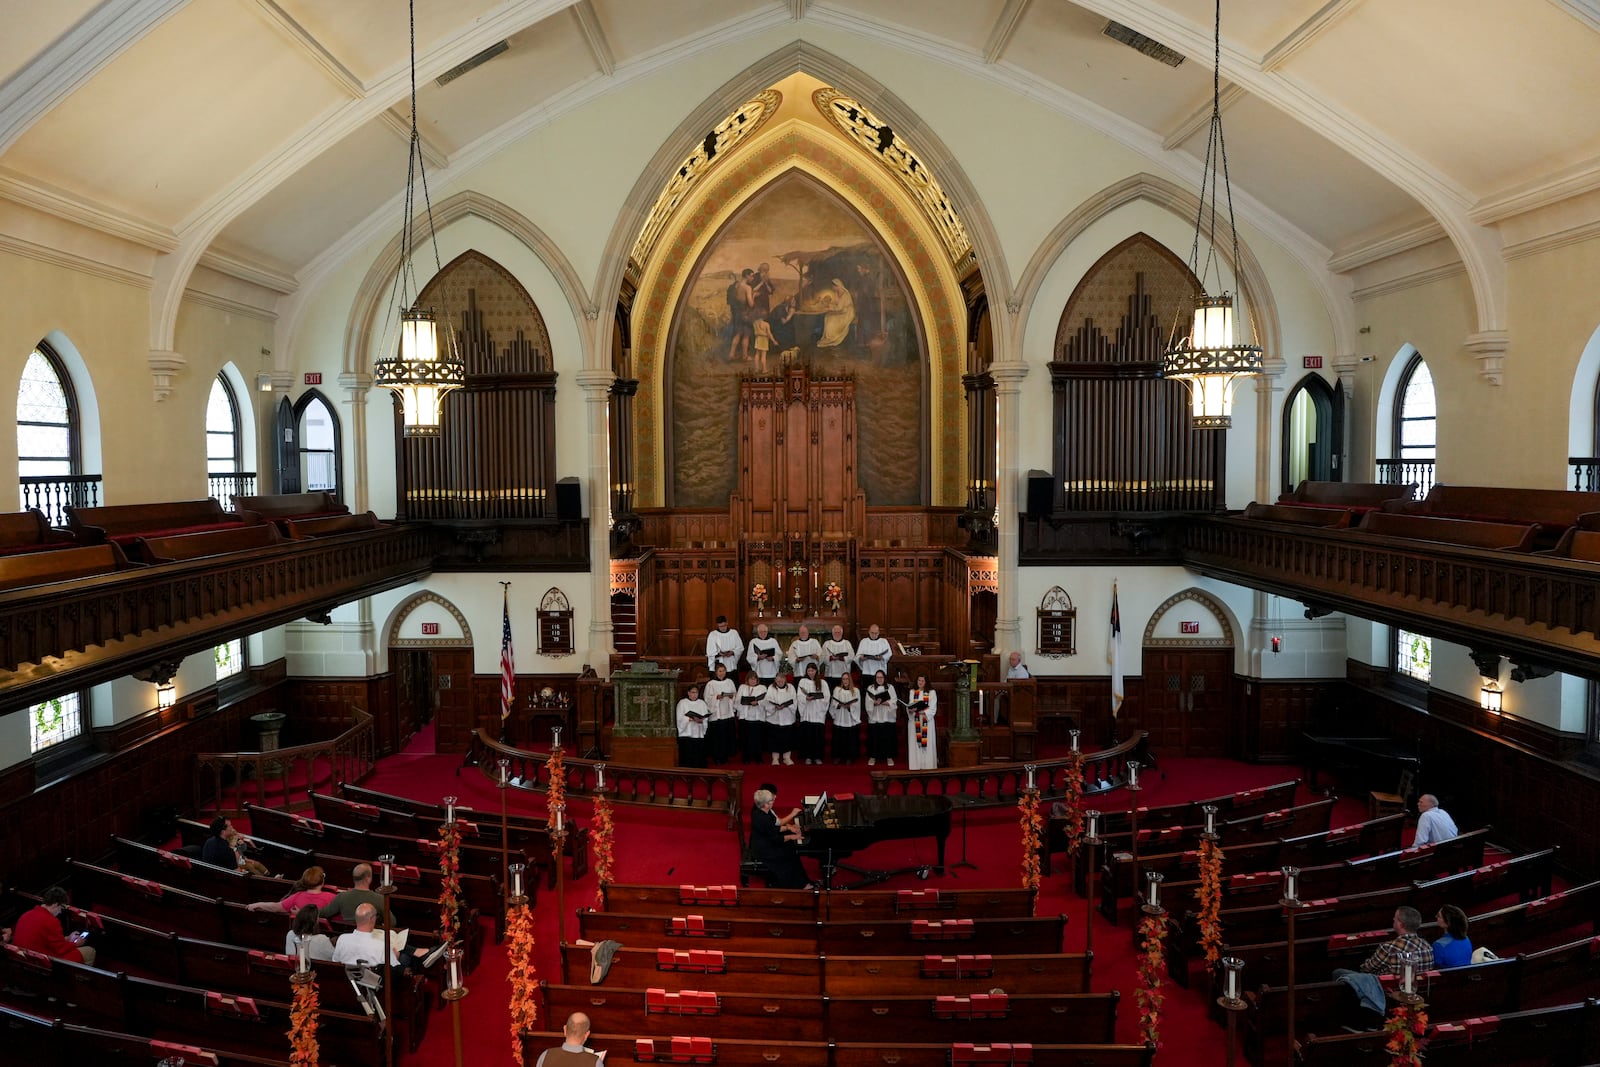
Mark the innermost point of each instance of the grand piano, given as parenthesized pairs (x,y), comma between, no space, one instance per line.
(846,826)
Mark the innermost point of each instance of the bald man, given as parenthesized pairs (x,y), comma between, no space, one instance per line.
(1434,824)
(573,1052)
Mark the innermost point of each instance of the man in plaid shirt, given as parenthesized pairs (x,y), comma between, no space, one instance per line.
(1389,955)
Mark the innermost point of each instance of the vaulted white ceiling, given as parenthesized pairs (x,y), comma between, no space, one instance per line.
(269,129)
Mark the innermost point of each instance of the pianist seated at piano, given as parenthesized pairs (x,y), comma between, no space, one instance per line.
(775,842)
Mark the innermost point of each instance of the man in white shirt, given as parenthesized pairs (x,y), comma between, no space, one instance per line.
(723,646)
(873,654)
(762,655)
(838,656)
(1434,824)
(364,944)
(1016,668)
(719,697)
(805,651)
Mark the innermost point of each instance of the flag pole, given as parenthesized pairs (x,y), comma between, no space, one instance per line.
(508,675)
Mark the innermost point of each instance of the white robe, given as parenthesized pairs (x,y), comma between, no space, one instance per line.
(920,758)
(835,668)
(719,697)
(845,707)
(766,668)
(873,654)
(805,652)
(724,648)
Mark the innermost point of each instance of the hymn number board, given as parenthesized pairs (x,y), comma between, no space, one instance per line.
(555,624)
(1058,625)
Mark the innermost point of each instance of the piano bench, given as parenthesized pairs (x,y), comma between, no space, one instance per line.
(750,866)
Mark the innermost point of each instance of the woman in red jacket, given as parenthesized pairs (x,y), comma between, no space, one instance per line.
(39,930)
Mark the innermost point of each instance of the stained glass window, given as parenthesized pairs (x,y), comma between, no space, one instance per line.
(229,658)
(54,721)
(46,430)
(1413,655)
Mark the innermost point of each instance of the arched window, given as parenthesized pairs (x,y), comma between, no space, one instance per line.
(48,446)
(1414,445)
(224,448)
(1312,433)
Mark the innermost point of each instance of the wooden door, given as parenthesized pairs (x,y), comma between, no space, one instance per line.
(453,717)
(1186,705)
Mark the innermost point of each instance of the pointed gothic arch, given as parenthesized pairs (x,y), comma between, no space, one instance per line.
(402,611)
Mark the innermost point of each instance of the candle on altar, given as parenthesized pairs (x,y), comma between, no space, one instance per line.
(780,577)
(813,578)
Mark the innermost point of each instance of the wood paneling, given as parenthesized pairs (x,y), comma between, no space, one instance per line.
(1274,714)
(454,718)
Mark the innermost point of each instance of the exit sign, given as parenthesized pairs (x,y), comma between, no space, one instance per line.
(1308,362)
(430,628)
(314,377)
(1189,627)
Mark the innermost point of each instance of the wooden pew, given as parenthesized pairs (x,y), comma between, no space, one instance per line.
(839,904)
(125,522)
(1545,1037)
(330,525)
(1555,975)
(1073,1018)
(1461,853)
(36,1039)
(1189,813)
(1512,537)
(1555,509)
(889,937)
(861,976)
(288,506)
(1330,518)
(243,538)
(26,569)
(29,531)
(1347,494)
(631,1048)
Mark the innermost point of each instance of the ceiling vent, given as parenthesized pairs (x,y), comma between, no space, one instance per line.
(489,53)
(1145,46)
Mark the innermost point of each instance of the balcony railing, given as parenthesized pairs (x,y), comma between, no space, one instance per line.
(1406,471)
(1585,473)
(224,486)
(53,493)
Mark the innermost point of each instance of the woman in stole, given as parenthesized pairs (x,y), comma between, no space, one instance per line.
(881,704)
(922,740)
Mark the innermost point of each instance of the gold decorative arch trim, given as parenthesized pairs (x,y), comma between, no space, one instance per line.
(1206,601)
(411,604)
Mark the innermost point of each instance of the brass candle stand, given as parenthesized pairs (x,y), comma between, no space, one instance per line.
(1291,904)
(453,992)
(386,888)
(1231,1002)
(1091,839)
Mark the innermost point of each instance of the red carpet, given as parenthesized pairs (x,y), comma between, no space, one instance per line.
(677,847)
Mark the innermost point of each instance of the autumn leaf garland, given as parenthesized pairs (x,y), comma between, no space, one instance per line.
(303,1050)
(523,977)
(1152,961)
(1074,803)
(600,843)
(449,880)
(1032,828)
(1209,896)
(1407,1027)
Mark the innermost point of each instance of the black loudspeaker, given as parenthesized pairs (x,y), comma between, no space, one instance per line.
(1041,494)
(569,500)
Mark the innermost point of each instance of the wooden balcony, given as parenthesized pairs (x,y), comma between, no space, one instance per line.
(1544,608)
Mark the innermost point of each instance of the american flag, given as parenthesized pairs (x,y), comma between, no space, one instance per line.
(508,668)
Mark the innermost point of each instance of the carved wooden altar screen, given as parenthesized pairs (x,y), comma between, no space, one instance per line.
(797,459)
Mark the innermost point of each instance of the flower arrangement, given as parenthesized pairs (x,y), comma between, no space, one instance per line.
(1209,896)
(1074,800)
(1407,1027)
(600,844)
(1032,829)
(833,595)
(1152,961)
(758,594)
(450,880)
(303,1050)
(523,977)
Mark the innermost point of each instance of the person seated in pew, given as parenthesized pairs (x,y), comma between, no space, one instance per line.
(573,1052)
(773,841)
(310,889)
(364,944)
(346,904)
(307,927)
(1387,957)
(1434,824)
(216,851)
(239,845)
(1015,668)
(39,930)
(1454,949)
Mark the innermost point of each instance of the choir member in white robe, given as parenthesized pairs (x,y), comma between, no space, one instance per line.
(813,716)
(873,654)
(724,646)
(781,710)
(806,651)
(719,697)
(762,654)
(838,656)
(881,704)
(922,740)
(692,718)
(844,708)
(752,712)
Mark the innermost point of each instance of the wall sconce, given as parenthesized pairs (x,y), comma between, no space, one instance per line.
(167,695)
(263,382)
(1491,697)
(1277,644)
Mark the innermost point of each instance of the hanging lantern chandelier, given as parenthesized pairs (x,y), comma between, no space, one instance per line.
(1209,360)
(418,372)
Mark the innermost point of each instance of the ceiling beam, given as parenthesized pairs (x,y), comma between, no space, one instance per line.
(1200,117)
(1305,33)
(432,154)
(594,35)
(74,58)
(1005,28)
(310,47)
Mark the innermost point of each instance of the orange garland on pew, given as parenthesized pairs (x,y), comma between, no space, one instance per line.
(1032,830)
(449,881)
(523,977)
(1152,961)
(1209,896)
(1074,802)
(600,842)
(1407,1027)
(303,1050)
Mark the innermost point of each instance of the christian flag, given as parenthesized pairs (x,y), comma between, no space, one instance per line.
(1114,654)
(508,668)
